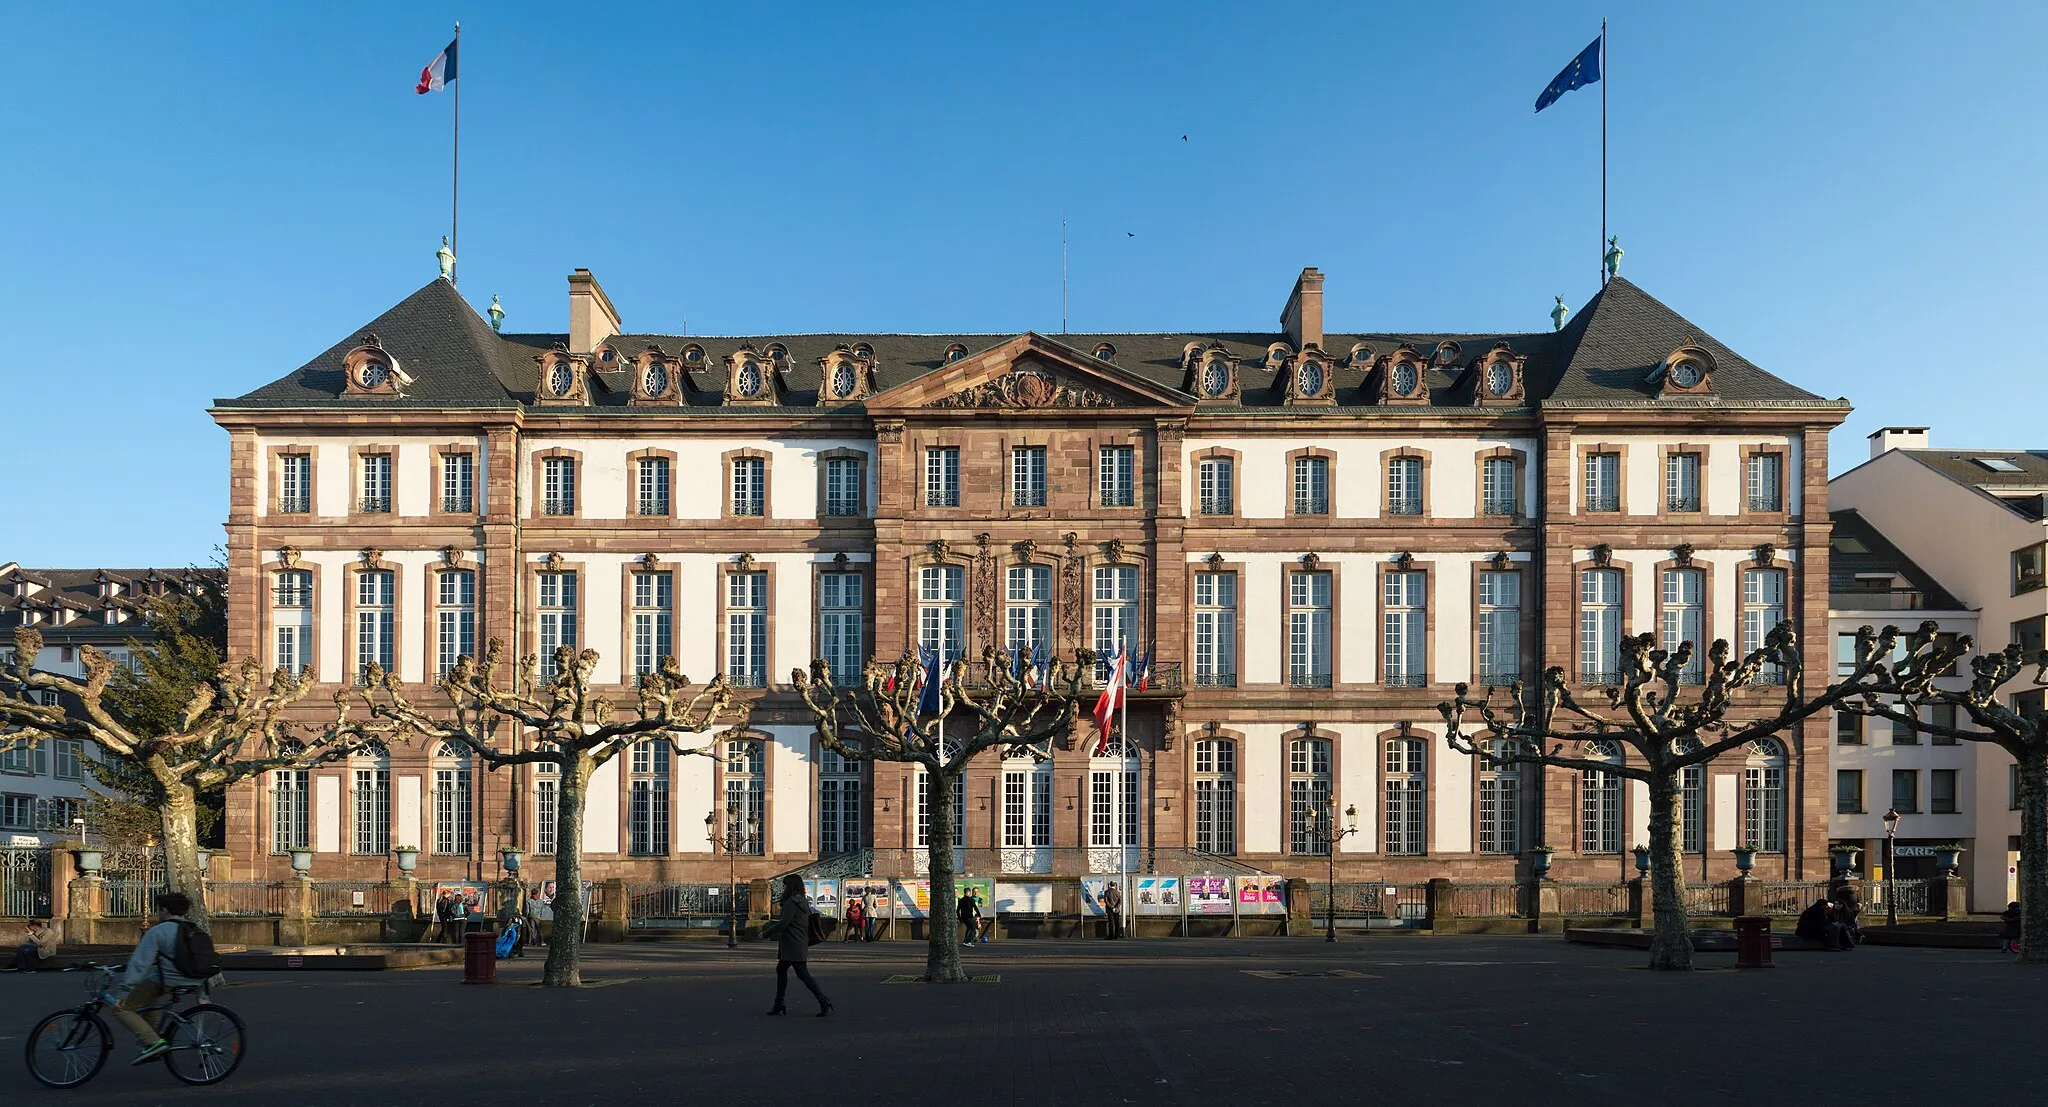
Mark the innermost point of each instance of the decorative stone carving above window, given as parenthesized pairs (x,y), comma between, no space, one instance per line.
(370,370)
(562,379)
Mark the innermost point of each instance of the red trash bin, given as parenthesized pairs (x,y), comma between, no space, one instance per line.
(1753,942)
(479,957)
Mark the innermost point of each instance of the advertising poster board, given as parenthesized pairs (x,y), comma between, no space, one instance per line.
(824,896)
(1032,898)
(913,899)
(1157,895)
(1261,895)
(1208,895)
(475,896)
(1092,888)
(984,889)
(540,900)
(873,894)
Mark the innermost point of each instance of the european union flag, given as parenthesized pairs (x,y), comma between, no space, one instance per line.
(1584,70)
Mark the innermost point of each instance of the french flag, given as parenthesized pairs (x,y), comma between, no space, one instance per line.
(1144,677)
(439,73)
(1112,698)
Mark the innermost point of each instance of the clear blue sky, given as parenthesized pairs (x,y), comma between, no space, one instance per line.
(198,202)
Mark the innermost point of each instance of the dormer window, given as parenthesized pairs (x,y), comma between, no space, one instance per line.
(748,382)
(1277,355)
(1688,371)
(1405,379)
(1447,352)
(693,355)
(779,354)
(368,370)
(371,375)
(1217,379)
(1312,378)
(1500,377)
(864,351)
(1106,352)
(842,380)
(1402,380)
(561,380)
(1361,356)
(1687,374)
(608,355)
(654,379)
(955,352)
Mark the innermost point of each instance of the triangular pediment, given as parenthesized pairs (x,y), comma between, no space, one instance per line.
(1030,373)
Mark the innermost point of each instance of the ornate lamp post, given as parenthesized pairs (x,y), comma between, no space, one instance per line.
(1891,866)
(735,842)
(1326,826)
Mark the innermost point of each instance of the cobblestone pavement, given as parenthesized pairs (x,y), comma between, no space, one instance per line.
(1399,1019)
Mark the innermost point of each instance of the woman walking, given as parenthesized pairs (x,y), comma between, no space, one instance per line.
(793,946)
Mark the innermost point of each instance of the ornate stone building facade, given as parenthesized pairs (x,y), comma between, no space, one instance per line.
(1311,536)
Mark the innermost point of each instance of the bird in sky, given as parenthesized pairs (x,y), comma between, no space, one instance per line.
(1183,138)
(1130,234)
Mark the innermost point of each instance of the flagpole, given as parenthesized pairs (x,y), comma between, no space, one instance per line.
(1123,707)
(1603,151)
(455,176)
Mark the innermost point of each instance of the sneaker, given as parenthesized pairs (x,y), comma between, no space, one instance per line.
(151,1053)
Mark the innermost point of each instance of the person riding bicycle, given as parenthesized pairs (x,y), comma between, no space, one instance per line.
(152,971)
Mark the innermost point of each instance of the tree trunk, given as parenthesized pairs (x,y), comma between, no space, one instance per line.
(565,943)
(942,954)
(180,816)
(2034,853)
(1671,934)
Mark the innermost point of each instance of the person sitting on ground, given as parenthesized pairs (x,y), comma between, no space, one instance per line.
(152,971)
(2009,928)
(38,943)
(1849,912)
(1818,924)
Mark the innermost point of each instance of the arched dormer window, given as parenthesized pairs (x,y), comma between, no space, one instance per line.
(1404,378)
(655,379)
(561,379)
(1689,371)
(371,370)
(1500,377)
(955,352)
(1105,352)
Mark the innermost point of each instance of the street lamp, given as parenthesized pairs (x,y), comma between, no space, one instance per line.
(1326,825)
(735,842)
(1891,866)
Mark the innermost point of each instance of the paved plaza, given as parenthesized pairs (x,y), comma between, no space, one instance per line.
(1392,1019)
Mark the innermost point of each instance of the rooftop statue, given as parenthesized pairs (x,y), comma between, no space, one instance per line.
(1557,313)
(446,257)
(497,314)
(1613,256)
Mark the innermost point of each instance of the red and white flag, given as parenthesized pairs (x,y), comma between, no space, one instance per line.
(439,73)
(1106,705)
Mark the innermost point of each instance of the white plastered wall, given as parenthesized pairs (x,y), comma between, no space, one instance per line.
(1721,473)
(698,482)
(1265,482)
(334,489)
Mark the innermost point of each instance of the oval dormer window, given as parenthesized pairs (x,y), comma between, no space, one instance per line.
(955,352)
(863,350)
(1105,351)
(693,355)
(607,355)
(1405,379)
(655,380)
(1687,374)
(562,379)
(1215,379)
(1500,378)
(373,374)
(749,383)
(1311,378)
(842,380)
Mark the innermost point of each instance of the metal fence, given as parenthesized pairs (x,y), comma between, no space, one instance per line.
(1911,897)
(1785,897)
(130,896)
(1581,897)
(351,897)
(245,897)
(1488,901)
(675,904)
(1706,899)
(1403,904)
(25,882)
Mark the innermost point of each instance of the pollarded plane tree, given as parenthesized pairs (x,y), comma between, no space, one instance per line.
(207,729)
(1648,714)
(878,718)
(566,722)
(1985,701)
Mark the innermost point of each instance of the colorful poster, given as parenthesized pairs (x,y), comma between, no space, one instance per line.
(984,890)
(873,895)
(540,900)
(824,896)
(475,897)
(1157,895)
(913,899)
(1208,895)
(1261,895)
(1093,888)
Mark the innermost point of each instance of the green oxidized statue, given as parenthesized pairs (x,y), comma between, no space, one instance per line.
(446,257)
(1613,256)
(496,313)
(1557,313)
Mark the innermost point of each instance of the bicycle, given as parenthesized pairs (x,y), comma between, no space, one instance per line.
(68,1048)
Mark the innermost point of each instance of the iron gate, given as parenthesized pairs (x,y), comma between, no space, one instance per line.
(25,883)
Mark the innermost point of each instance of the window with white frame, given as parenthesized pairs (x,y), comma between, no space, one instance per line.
(1116,612)
(1682,482)
(924,810)
(1685,619)
(746,796)
(652,482)
(941,609)
(67,759)
(290,810)
(1027,611)
(1308,629)
(376,614)
(1218,486)
(1117,476)
(1500,627)
(293,619)
(458,483)
(647,829)
(942,476)
(546,808)
(455,617)
(556,612)
(1600,802)
(1404,628)
(1027,476)
(1763,608)
(370,800)
(654,604)
(839,625)
(19,761)
(1499,491)
(1603,482)
(1407,797)
(750,486)
(839,803)
(295,483)
(1216,630)
(1027,805)
(17,811)
(1404,486)
(1104,808)
(1216,796)
(1308,795)
(843,486)
(1692,801)
(1763,482)
(558,486)
(1763,796)
(1311,486)
(1600,627)
(376,483)
(1500,801)
(452,811)
(746,629)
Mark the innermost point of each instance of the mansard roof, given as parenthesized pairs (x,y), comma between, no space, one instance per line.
(1604,357)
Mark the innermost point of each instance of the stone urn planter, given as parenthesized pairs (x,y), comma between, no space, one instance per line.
(1948,858)
(1745,859)
(302,861)
(1539,861)
(408,858)
(91,860)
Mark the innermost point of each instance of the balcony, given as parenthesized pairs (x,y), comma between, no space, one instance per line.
(294,505)
(942,497)
(1404,505)
(1311,505)
(558,505)
(1682,503)
(1601,678)
(454,504)
(751,506)
(654,505)
(747,680)
(1500,506)
(844,507)
(374,505)
(1603,501)
(1034,497)
(1117,497)
(1766,503)
(1216,505)
(1499,678)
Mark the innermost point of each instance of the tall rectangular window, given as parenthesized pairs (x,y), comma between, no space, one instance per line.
(942,476)
(1117,477)
(843,486)
(1685,597)
(1600,811)
(647,828)
(1216,796)
(1500,492)
(291,810)
(1941,791)
(1103,807)
(924,810)
(746,629)
(452,811)
(376,483)
(1500,806)
(1404,486)
(1216,630)
(1027,807)
(1763,482)
(839,804)
(2029,568)
(67,757)
(1906,791)
(558,486)
(1848,729)
(1404,638)
(1308,796)
(1763,608)
(1682,482)
(1603,482)
(1116,611)
(1027,476)
(654,610)
(746,796)
(556,612)
(458,483)
(1407,797)
(1763,786)
(1903,733)
(295,484)
(1500,628)
(839,625)
(371,802)
(750,486)
(455,618)
(1027,612)
(546,811)
(652,484)
(1308,629)
(293,619)
(376,612)
(1600,627)
(1848,791)
(1692,809)
(1218,489)
(942,609)
(1311,486)
(1943,715)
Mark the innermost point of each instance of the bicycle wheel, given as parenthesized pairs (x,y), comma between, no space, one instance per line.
(68,1048)
(206,1045)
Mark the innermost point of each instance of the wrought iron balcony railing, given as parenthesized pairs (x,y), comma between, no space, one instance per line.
(1501,506)
(558,505)
(748,505)
(1309,680)
(1404,505)
(1215,680)
(1216,505)
(1405,680)
(1603,501)
(842,506)
(295,505)
(654,505)
(1682,503)
(1311,505)
(1766,503)
(375,505)
(458,504)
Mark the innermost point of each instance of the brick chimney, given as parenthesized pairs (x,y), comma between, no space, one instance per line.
(592,318)
(1302,318)
(1885,439)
